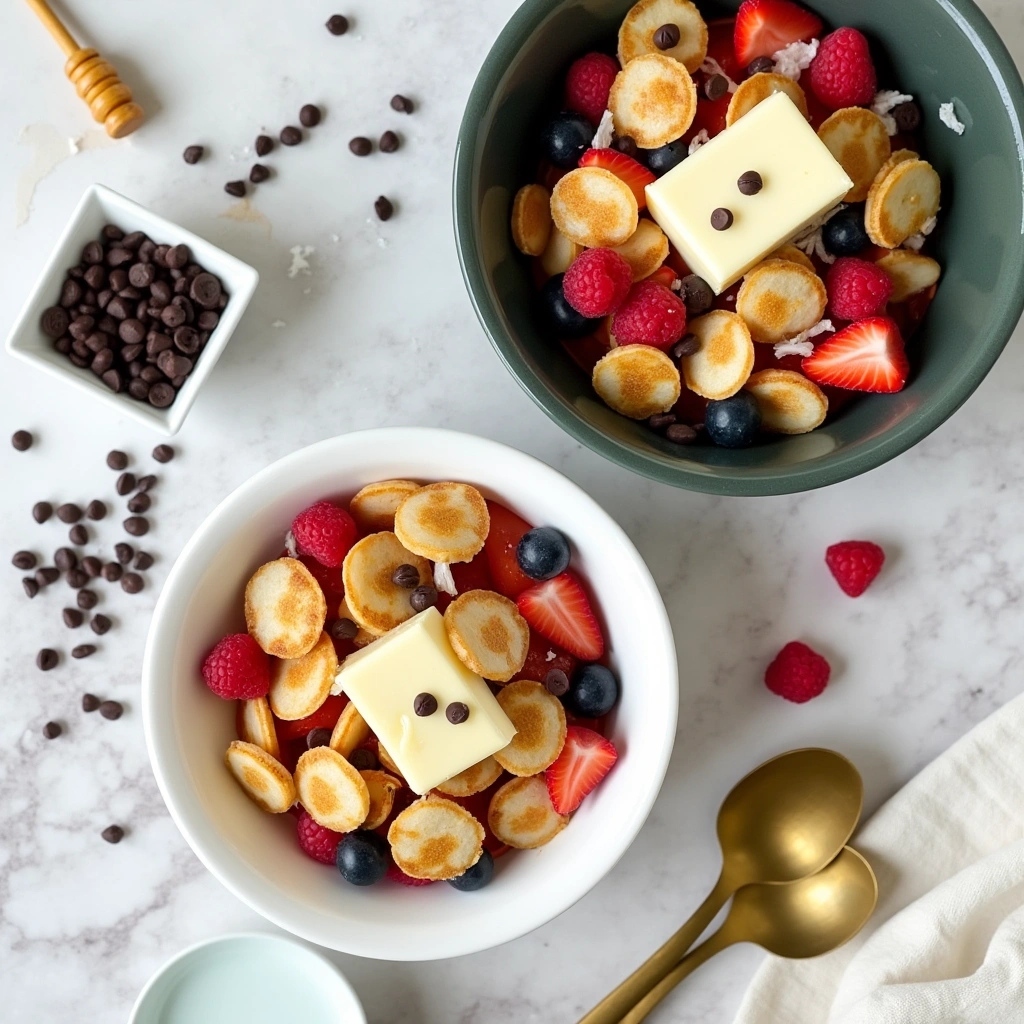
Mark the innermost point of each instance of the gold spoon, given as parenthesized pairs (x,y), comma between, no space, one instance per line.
(799,920)
(786,820)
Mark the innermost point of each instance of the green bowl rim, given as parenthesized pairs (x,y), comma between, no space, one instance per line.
(770,480)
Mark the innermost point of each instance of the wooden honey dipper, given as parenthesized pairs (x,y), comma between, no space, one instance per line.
(96,81)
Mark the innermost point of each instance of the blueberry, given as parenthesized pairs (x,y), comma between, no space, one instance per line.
(561,319)
(477,876)
(593,692)
(543,553)
(733,422)
(565,138)
(662,160)
(844,234)
(362,857)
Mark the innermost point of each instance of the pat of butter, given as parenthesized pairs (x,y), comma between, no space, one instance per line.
(383,679)
(802,180)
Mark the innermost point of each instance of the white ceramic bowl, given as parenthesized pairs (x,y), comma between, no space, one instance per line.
(99,206)
(255,854)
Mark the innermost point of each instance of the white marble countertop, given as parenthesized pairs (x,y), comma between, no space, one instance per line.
(381,332)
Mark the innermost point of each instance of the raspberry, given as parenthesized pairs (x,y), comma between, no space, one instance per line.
(857,289)
(237,668)
(597,282)
(588,83)
(316,841)
(797,673)
(651,315)
(842,74)
(396,874)
(854,563)
(326,532)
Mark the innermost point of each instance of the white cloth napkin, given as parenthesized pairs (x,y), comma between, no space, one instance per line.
(946,944)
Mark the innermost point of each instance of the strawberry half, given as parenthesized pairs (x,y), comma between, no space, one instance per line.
(558,609)
(763,27)
(503,538)
(542,656)
(866,356)
(585,760)
(664,275)
(625,168)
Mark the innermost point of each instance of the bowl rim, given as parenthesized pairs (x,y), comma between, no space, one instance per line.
(842,465)
(173,778)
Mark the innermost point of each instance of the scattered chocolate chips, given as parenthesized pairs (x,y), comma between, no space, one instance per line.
(96,510)
(389,142)
(132,583)
(407,576)
(113,833)
(87,599)
(65,559)
(721,219)
(750,183)
(290,135)
(143,560)
(661,420)
(688,345)
(557,682)
(78,535)
(337,24)
(363,760)
(402,104)
(112,572)
(360,146)
(111,709)
(137,526)
(760,65)
(69,513)
(139,502)
(235,188)
(424,704)
(258,173)
(192,154)
(147,482)
(124,552)
(716,87)
(680,433)
(319,737)
(907,116)
(667,36)
(47,575)
(343,629)
(456,712)
(90,702)
(697,294)
(205,290)
(264,144)
(83,651)
(52,730)
(73,618)
(423,598)
(25,560)
(30,587)
(383,208)
(54,324)
(21,440)
(125,483)
(627,144)
(41,511)
(46,659)
(309,115)
(100,624)
(116,460)
(161,395)
(76,579)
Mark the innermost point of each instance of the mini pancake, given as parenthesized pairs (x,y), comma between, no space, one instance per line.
(267,783)
(285,609)
(382,788)
(298,686)
(637,381)
(373,508)
(539,719)
(559,255)
(722,364)
(594,208)
(521,815)
(350,731)
(375,602)
(789,402)
(858,140)
(636,33)
(388,761)
(901,204)
(780,299)
(757,88)
(531,219)
(897,158)
(793,255)
(256,725)
(910,273)
(488,634)
(653,99)
(475,779)
(445,522)
(435,838)
(332,791)
(645,250)
(362,637)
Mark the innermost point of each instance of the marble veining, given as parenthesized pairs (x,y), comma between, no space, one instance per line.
(380,332)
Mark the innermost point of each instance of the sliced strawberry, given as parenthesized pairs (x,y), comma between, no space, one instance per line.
(559,610)
(585,760)
(763,27)
(506,531)
(664,275)
(866,356)
(325,717)
(631,171)
(542,657)
(473,575)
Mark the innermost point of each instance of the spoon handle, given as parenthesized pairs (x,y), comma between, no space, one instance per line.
(620,1000)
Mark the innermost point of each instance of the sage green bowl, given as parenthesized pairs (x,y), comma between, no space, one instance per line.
(938,50)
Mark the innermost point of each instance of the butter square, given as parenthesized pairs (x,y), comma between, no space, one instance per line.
(802,180)
(383,679)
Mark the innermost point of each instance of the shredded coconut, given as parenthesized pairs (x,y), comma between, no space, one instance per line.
(443,579)
(884,102)
(336,687)
(677,285)
(605,132)
(300,264)
(810,240)
(712,67)
(801,344)
(916,242)
(700,139)
(290,546)
(947,115)
(793,59)
(550,656)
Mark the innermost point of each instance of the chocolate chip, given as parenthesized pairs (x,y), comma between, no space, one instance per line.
(363,760)
(456,712)
(87,599)
(424,704)
(205,290)
(626,144)
(178,255)
(907,116)
(721,219)
(139,502)
(760,65)
(96,509)
(688,345)
(173,365)
(290,135)
(680,433)
(264,144)
(161,395)
(716,87)
(360,145)
(65,559)
(113,833)
(163,453)
(92,253)
(383,208)
(125,483)
(697,294)
(73,618)
(143,561)
(147,482)
(76,579)
(111,709)
(116,460)
(235,188)
(389,142)
(309,115)
(52,730)
(69,513)
(337,24)
(208,320)
(83,651)
(25,560)
(192,154)
(41,511)
(402,104)
(114,380)
(46,659)
(96,277)
(750,183)
(112,572)
(117,256)
(132,583)
(158,342)
(54,322)
(406,576)
(30,586)
(258,173)
(90,702)
(124,552)
(661,420)
(78,535)
(557,682)
(343,629)
(423,598)
(131,331)
(667,36)
(70,293)
(100,624)
(46,575)
(118,308)
(319,737)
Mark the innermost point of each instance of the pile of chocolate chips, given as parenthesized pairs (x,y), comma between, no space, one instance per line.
(137,314)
